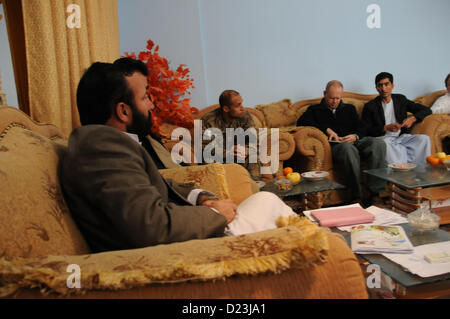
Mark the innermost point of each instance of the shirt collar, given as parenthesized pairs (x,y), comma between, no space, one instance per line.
(325,104)
(134,137)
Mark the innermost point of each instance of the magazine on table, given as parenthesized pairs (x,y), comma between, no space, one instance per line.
(376,239)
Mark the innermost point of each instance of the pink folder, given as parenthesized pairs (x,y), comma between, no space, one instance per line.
(343,216)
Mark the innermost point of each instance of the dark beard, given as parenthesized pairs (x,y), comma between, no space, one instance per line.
(141,125)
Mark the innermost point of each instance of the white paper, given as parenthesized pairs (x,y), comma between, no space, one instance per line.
(416,263)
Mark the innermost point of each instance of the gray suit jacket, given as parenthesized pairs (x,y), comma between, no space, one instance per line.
(120,200)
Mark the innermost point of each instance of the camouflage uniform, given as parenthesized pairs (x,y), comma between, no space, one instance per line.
(214,119)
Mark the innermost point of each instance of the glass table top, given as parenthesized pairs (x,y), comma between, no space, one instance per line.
(304,187)
(395,271)
(423,175)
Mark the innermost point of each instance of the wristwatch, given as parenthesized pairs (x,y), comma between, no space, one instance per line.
(207,196)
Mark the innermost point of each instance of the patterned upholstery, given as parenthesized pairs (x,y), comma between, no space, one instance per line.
(301,245)
(35,220)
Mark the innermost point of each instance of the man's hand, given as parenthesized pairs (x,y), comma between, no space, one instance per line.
(332,136)
(225,207)
(394,127)
(408,122)
(349,138)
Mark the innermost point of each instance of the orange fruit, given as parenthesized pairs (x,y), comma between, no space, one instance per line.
(287,170)
(279,177)
(433,160)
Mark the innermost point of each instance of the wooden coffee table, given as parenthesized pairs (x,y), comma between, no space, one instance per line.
(437,193)
(409,189)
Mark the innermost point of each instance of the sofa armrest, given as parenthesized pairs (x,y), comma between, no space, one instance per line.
(340,277)
(437,127)
(286,145)
(314,148)
(297,244)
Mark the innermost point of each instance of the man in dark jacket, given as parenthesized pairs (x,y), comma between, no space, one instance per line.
(386,117)
(341,123)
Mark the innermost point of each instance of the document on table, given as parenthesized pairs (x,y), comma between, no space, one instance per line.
(416,263)
(383,217)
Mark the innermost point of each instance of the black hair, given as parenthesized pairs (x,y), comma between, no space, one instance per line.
(384,75)
(102,86)
(128,66)
(446,79)
(225,97)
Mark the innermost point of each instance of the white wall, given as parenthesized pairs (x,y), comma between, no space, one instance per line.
(174,25)
(6,69)
(269,50)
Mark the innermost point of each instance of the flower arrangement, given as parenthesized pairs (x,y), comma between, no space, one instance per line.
(167,89)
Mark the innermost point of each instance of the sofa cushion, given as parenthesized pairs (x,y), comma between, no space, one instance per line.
(34,219)
(257,117)
(278,114)
(216,178)
(298,243)
(358,103)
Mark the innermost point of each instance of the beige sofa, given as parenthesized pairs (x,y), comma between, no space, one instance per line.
(40,243)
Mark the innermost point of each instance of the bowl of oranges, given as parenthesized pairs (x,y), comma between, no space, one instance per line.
(440,158)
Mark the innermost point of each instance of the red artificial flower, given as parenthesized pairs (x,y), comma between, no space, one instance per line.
(150,45)
(166,89)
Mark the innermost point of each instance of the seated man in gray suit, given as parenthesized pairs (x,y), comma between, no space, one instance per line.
(160,155)
(113,187)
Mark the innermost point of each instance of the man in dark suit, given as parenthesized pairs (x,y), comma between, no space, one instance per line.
(112,185)
(341,123)
(386,117)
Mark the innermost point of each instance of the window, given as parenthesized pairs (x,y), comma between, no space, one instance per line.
(7,81)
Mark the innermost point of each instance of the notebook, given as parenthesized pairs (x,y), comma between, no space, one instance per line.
(343,216)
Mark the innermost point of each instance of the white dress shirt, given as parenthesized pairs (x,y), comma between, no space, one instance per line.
(389,116)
